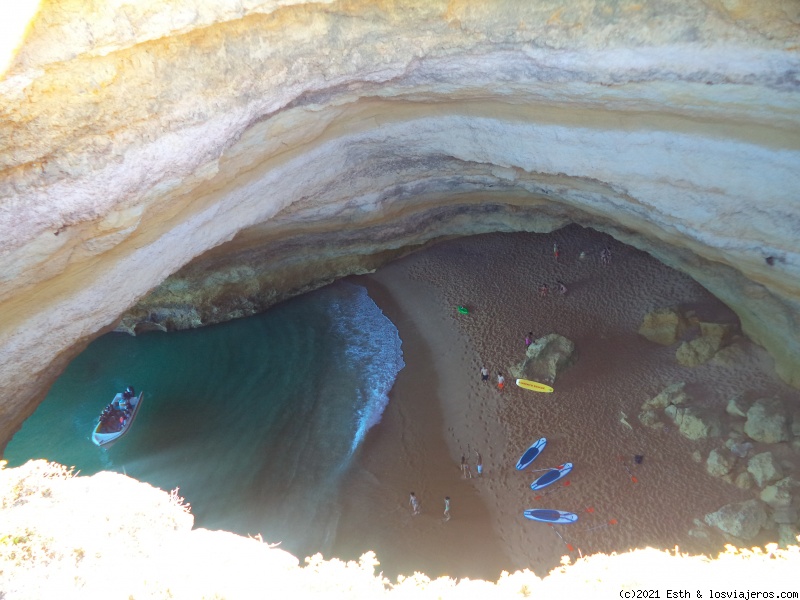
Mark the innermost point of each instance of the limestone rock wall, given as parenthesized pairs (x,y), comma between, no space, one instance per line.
(301,141)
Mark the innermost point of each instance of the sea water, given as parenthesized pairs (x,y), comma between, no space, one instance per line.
(256,421)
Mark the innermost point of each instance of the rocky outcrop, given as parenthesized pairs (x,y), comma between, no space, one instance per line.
(741,520)
(767,421)
(764,469)
(720,461)
(695,422)
(674,394)
(651,409)
(227,156)
(783,495)
(81,548)
(545,358)
(713,336)
(663,326)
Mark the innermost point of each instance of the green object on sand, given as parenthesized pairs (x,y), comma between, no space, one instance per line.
(463,310)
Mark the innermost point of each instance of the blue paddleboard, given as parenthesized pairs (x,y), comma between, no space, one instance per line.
(547,515)
(552,476)
(531,453)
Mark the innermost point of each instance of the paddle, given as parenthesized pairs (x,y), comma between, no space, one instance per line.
(553,491)
(633,477)
(569,546)
(537,470)
(611,522)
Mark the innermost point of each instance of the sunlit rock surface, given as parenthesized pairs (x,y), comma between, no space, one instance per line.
(287,143)
(136,541)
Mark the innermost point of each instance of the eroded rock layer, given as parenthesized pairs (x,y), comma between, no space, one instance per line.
(287,143)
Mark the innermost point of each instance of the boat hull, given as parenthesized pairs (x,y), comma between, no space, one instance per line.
(106,439)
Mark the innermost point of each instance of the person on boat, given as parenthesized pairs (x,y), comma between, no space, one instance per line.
(123,403)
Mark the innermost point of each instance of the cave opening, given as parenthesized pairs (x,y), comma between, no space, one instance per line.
(213,391)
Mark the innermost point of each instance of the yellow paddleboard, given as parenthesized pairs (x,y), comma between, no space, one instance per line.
(533,385)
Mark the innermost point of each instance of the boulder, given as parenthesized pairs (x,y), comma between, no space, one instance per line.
(738,406)
(786,515)
(740,449)
(545,358)
(741,519)
(694,422)
(720,462)
(767,421)
(663,326)
(718,334)
(730,356)
(696,352)
(787,535)
(713,336)
(764,469)
(744,481)
(781,493)
(649,418)
(672,394)
(700,531)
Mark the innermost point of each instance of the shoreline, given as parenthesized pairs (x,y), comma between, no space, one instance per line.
(621,505)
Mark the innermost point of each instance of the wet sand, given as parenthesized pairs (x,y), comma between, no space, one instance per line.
(440,410)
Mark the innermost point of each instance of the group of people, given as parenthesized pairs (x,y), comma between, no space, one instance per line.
(544,289)
(414,502)
(466,471)
(115,414)
(501,380)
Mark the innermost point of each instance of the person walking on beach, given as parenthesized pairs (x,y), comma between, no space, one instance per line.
(447,508)
(479,465)
(501,382)
(555,251)
(605,256)
(484,374)
(466,472)
(414,504)
(528,339)
(543,290)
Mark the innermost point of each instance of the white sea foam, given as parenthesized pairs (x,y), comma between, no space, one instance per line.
(373,349)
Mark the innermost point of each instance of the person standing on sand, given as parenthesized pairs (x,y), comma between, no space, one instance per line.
(447,508)
(479,465)
(528,339)
(414,504)
(484,374)
(562,289)
(501,382)
(555,251)
(543,290)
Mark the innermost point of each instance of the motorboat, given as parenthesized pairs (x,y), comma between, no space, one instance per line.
(117,418)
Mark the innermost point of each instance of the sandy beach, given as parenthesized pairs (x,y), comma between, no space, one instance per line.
(440,410)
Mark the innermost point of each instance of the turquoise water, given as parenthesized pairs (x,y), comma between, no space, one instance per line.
(255,420)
